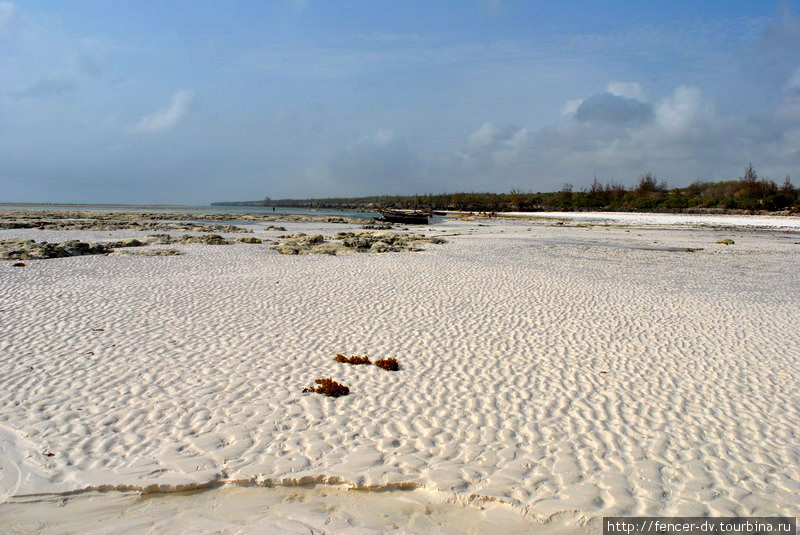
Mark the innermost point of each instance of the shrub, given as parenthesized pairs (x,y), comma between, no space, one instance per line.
(700,202)
(777,201)
(726,241)
(674,203)
(648,184)
(329,387)
(388,364)
(643,203)
(355,359)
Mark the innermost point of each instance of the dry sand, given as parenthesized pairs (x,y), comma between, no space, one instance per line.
(549,376)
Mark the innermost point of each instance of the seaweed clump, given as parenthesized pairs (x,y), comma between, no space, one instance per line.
(329,387)
(389,364)
(355,359)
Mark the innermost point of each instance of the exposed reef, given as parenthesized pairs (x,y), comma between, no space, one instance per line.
(26,249)
(148,221)
(348,242)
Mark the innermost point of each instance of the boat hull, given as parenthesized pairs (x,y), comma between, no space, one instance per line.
(410,218)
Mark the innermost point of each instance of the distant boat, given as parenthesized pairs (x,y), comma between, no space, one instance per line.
(410,217)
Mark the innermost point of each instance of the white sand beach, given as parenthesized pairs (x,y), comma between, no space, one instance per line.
(680,219)
(550,375)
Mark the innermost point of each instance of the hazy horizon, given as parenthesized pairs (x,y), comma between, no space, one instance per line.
(186,103)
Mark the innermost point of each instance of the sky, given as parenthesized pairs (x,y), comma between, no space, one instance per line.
(184,102)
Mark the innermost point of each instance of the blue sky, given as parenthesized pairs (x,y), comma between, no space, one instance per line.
(192,102)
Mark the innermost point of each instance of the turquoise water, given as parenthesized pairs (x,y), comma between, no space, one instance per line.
(161,208)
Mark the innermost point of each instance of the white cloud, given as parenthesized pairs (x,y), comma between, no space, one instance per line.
(486,136)
(168,117)
(612,109)
(626,89)
(571,106)
(681,110)
(616,92)
(679,137)
(498,144)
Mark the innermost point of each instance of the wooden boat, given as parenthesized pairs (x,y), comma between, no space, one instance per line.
(415,217)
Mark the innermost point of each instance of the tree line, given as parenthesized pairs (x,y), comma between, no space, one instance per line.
(748,193)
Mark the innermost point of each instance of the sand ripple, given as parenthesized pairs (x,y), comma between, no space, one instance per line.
(562,379)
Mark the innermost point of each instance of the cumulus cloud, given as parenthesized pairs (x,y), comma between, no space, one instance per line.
(570,107)
(168,117)
(488,136)
(683,109)
(626,89)
(679,136)
(613,109)
(498,144)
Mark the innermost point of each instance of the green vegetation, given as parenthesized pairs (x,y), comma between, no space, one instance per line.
(747,193)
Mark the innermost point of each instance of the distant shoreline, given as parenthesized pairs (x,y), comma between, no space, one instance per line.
(694,211)
(123,205)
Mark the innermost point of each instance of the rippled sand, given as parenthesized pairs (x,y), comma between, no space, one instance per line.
(565,373)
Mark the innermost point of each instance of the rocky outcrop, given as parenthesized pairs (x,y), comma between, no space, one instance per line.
(349,242)
(148,221)
(23,249)
(91,224)
(145,252)
(207,239)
